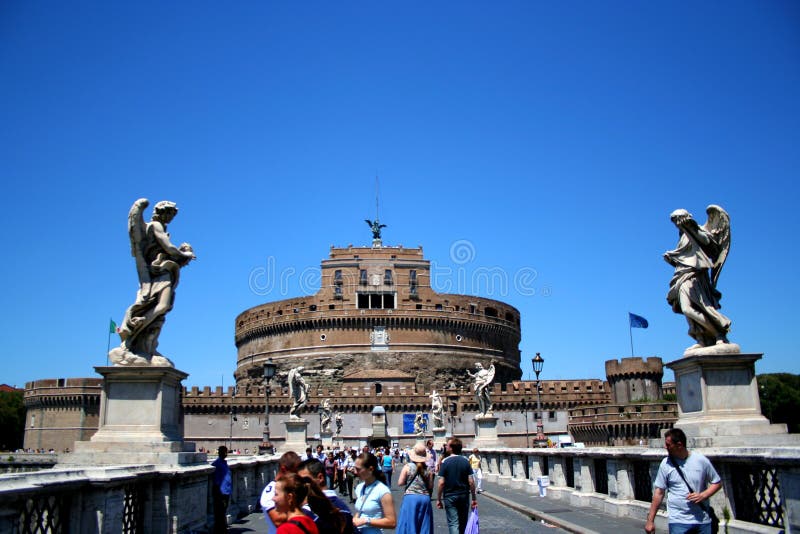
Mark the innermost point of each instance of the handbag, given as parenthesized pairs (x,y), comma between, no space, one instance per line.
(473,524)
(705,505)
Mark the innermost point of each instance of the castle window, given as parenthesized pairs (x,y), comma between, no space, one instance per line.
(419,306)
(362,277)
(337,292)
(439,307)
(378,388)
(337,276)
(387,277)
(61,382)
(472,308)
(331,306)
(510,317)
(551,416)
(312,307)
(375,301)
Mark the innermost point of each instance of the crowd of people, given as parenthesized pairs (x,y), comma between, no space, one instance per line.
(310,491)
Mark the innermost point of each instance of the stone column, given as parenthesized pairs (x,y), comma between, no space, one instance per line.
(718,402)
(296,436)
(485,432)
(140,420)
(505,470)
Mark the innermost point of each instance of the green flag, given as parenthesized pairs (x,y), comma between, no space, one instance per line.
(112,328)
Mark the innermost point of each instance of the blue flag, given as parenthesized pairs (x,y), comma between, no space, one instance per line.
(637,321)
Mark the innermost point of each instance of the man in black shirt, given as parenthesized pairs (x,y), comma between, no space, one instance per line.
(455,485)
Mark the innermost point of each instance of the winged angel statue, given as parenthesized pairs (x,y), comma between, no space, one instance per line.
(158,264)
(698,260)
(483,377)
(376,228)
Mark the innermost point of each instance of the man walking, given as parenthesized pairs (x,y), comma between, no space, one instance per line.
(454,487)
(689,480)
(221,490)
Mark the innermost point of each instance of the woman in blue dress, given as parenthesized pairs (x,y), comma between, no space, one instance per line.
(416,512)
(374,505)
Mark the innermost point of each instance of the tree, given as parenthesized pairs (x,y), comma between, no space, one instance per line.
(12,420)
(780,398)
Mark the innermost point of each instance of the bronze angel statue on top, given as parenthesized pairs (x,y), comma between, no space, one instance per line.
(375,227)
(698,260)
(158,264)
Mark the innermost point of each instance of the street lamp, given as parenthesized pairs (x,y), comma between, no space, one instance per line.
(269,373)
(541,439)
(527,435)
(232,419)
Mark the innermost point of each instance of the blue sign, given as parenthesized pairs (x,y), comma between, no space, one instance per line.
(408,422)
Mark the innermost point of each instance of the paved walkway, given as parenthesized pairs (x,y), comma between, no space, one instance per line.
(580,519)
(531,514)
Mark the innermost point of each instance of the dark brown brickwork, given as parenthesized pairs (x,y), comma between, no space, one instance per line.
(60,411)
(434,337)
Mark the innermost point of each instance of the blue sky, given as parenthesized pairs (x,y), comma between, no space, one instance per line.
(545,143)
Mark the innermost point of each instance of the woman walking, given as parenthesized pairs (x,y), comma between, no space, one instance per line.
(374,505)
(416,512)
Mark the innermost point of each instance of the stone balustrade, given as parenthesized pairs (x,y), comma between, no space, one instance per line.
(760,486)
(126,498)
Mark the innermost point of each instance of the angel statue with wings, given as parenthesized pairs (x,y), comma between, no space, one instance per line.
(483,377)
(698,259)
(375,227)
(158,264)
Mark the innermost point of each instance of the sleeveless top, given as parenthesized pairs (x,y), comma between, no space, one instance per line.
(415,484)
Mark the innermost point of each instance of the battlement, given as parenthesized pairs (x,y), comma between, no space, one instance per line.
(627,367)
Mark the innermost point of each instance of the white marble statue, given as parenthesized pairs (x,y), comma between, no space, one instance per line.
(437,410)
(158,265)
(298,390)
(326,415)
(482,378)
(698,259)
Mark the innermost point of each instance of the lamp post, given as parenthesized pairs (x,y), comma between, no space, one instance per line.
(232,419)
(541,439)
(269,373)
(527,434)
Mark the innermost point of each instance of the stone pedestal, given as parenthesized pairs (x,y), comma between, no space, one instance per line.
(718,402)
(439,437)
(485,432)
(296,436)
(140,420)
(327,439)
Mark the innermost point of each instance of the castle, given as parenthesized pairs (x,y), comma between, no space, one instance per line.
(377,335)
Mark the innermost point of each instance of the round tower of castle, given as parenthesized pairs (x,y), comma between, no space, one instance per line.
(635,379)
(376,310)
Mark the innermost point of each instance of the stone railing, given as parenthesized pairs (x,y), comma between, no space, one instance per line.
(760,486)
(125,499)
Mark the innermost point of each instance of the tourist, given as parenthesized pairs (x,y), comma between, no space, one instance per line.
(431,461)
(374,505)
(308,455)
(388,468)
(416,512)
(477,473)
(330,519)
(287,464)
(350,473)
(689,480)
(290,493)
(455,486)
(221,490)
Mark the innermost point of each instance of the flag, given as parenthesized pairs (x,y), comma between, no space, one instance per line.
(112,328)
(637,321)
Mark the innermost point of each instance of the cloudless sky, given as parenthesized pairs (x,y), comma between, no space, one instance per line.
(542,143)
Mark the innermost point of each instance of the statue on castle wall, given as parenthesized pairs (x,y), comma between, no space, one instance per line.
(339,423)
(437,410)
(298,390)
(326,415)
(482,378)
(158,265)
(419,424)
(698,260)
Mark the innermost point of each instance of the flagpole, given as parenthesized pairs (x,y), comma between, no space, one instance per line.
(630,331)
(108,347)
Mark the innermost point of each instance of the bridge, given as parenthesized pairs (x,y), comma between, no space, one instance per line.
(599,489)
